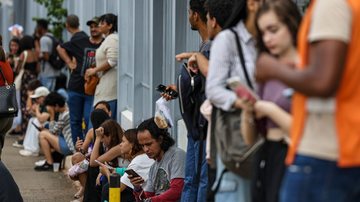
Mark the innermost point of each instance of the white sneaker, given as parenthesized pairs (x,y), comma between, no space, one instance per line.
(24,152)
(40,162)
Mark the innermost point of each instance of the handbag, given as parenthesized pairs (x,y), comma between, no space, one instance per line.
(8,102)
(236,155)
(90,84)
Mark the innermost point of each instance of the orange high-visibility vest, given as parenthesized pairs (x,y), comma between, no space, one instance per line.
(347,113)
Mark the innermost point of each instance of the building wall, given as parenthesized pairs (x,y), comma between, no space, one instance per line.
(151,33)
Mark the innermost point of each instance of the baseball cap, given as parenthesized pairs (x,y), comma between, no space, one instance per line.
(93,20)
(40,91)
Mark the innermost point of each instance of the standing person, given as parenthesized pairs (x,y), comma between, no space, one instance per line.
(217,15)
(13,58)
(225,63)
(277,22)
(5,122)
(29,61)
(14,53)
(196,171)
(11,190)
(79,54)
(166,175)
(106,63)
(324,155)
(48,73)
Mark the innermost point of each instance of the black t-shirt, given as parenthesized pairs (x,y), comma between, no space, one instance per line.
(83,50)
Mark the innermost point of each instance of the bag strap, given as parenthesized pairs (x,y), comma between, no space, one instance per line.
(3,76)
(242,59)
(24,61)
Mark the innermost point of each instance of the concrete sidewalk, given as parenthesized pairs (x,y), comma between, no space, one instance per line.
(35,186)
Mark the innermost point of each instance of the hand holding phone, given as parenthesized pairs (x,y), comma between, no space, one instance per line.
(102,164)
(164,89)
(132,173)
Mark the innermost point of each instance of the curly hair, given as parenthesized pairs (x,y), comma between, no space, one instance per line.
(157,133)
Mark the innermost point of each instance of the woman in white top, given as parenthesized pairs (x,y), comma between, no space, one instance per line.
(139,162)
(106,63)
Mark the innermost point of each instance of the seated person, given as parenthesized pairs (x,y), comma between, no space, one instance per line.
(58,137)
(139,162)
(166,176)
(99,115)
(40,116)
(106,149)
(80,165)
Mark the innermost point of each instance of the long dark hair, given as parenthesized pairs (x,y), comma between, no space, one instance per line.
(286,11)
(110,19)
(157,133)
(17,41)
(238,13)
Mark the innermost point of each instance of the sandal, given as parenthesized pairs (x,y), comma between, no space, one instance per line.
(79,194)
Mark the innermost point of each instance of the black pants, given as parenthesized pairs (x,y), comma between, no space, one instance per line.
(9,191)
(5,125)
(270,169)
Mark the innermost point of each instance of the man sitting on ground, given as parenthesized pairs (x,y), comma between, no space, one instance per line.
(166,176)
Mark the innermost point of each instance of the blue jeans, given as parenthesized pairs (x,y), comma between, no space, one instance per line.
(195,191)
(80,106)
(313,180)
(113,108)
(48,82)
(232,187)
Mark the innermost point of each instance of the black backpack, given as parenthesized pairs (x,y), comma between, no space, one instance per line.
(54,59)
(191,89)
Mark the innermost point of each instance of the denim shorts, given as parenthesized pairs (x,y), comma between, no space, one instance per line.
(64,149)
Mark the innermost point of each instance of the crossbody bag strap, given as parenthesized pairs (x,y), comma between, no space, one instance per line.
(242,59)
(25,58)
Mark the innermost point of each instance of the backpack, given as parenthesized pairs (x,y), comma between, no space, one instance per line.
(54,59)
(191,89)
(235,154)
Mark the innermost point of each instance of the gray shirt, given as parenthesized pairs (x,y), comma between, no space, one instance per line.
(46,46)
(225,63)
(171,166)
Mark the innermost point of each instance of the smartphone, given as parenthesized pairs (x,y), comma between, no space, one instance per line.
(132,173)
(162,89)
(109,167)
(37,127)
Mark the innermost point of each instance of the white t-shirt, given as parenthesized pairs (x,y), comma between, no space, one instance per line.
(141,165)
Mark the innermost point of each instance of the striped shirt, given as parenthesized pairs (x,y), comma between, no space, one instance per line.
(62,126)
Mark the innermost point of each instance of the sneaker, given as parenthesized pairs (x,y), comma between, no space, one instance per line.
(14,132)
(45,167)
(24,152)
(40,162)
(18,144)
